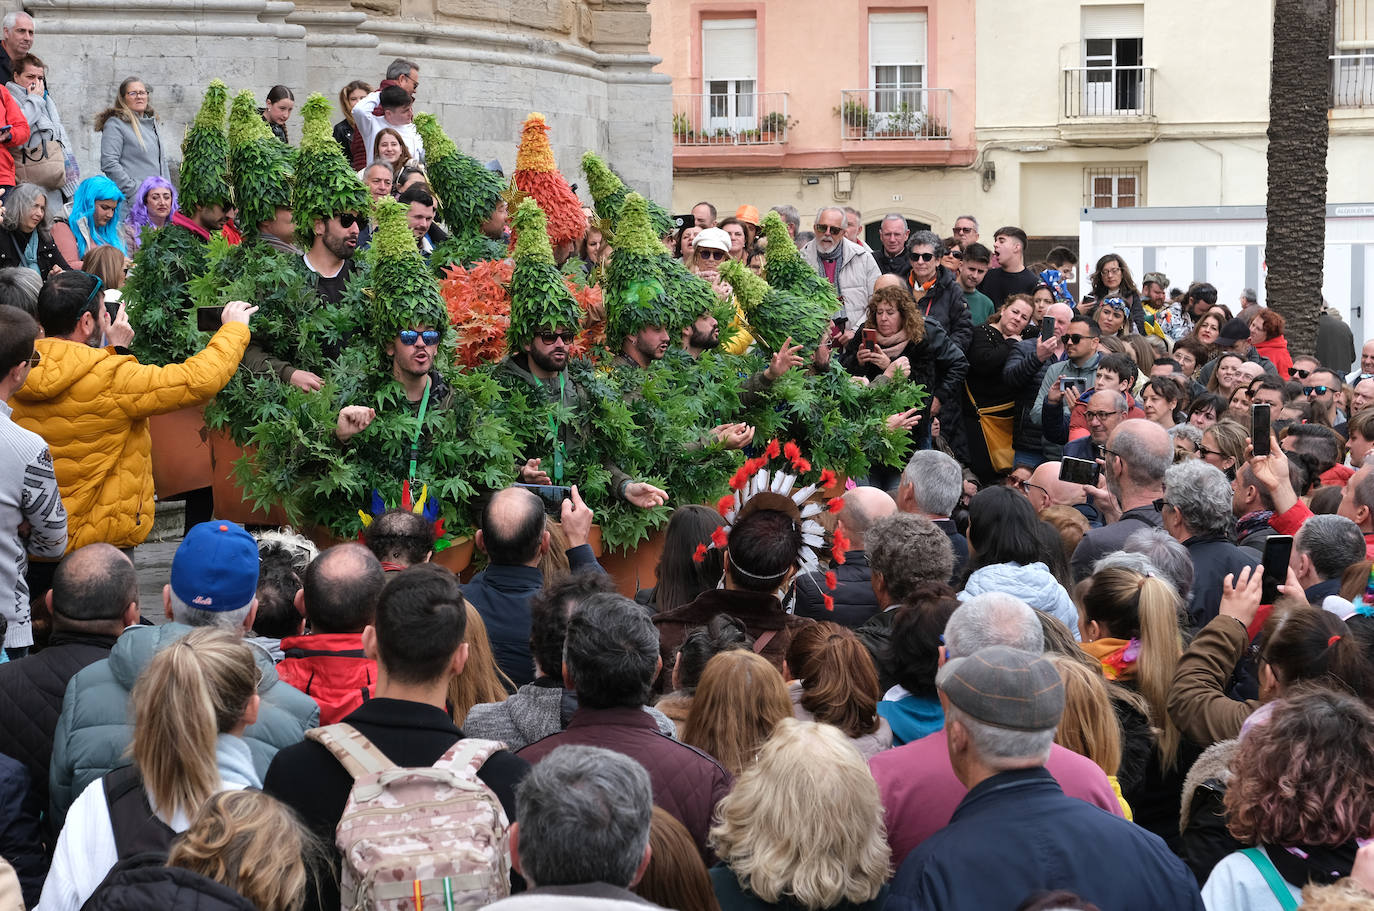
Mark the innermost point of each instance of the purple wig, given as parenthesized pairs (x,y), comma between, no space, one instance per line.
(138,212)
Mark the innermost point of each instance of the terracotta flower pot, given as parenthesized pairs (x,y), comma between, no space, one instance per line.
(456,557)
(635,568)
(230,501)
(181,452)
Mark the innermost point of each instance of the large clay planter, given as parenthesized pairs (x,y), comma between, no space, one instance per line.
(634,569)
(181,453)
(230,501)
(456,557)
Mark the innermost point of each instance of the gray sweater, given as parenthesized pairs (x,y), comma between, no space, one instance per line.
(128,162)
(28,493)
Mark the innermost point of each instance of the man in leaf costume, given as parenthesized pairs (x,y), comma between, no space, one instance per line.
(642,316)
(536,174)
(471,201)
(543,323)
(331,204)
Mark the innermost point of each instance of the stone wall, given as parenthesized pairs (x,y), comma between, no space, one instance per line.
(485,64)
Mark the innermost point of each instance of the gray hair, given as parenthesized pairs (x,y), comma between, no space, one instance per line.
(907,550)
(1170,559)
(1201,494)
(926,239)
(1333,543)
(584,817)
(844,216)
(12,19)
(232,620)
(19,287)
(788,214)
(611,652)
(993,618)
(970,218)
(19,200)
(894,216)
(287,542)
(936,481)
(400,67)
(1145,466)
(999,748)
(1189,432)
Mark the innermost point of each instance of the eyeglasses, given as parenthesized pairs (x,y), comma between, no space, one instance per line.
(829,229)
(1315,390)
(963,230)
(34,359)
(409,337)
(923,257)
(1159,504)
(348,219)
(1300,374)
(1204,451)
(1100,416)
(566,337)
(1026,486)
(705,253)
(139,93)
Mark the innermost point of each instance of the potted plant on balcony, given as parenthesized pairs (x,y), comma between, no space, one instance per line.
(856,118)
(773,126)
(903,122)
(682,128)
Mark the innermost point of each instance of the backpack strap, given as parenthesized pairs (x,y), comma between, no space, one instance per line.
(137,830)
(1276,883)
(468,755)
(762,641)
(358,755)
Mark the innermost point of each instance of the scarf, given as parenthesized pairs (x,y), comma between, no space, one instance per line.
(1320,864)
(1117,656)
(1252,522)
(28,256)
(893,345)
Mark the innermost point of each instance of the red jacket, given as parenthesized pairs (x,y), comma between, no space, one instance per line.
(1276,349)
(18,136)
(331,669)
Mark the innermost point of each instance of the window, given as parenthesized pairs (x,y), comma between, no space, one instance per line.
(729,67)
(897,62)
(1113,188)
(1113,54)
(1352,72)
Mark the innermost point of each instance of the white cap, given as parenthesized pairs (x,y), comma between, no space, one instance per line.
(713,239)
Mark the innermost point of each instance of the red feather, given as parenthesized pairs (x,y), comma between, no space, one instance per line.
(835,504)
(828,478)
(718,537)
(726,503)
(699,556)
(773,450)
(831,580)
(829,603)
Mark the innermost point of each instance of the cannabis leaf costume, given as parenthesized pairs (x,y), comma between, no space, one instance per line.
(468,193)
(609,194)
(325,184)
(259,166)
(787,271)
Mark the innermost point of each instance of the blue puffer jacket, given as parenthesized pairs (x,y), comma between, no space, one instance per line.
(1033,584)
(96,727)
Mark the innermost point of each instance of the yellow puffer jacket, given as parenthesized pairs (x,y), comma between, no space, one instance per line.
(92,406)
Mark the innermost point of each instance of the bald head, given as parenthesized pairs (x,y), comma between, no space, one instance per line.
(1147,452)
(1045,489)
(888,280)
(94,584)
(340,589)
(862,507)
(512,532)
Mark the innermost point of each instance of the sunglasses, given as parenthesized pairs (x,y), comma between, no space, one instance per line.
(566,337)
(956,254)
(1160,503)
(1204,451)
(705,253)
(923,257)
(963,230)
(91,302)
(829,229)
(349,219)
(1073,338)
(1300,374)
(409,337)
(1315,390)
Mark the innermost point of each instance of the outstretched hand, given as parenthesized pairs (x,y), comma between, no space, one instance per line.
(645,495)
(1242,599)
(785,360)
(904,420)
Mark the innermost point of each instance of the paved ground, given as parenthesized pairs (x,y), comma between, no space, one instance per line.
(153,560)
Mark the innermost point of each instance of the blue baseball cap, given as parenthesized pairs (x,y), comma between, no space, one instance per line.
(216,567)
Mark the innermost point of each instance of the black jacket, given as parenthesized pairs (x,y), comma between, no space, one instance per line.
(1213,559)
(945,304)
(896,264)
(140,883)
(31,691)
(853,594)
(12,250)
(307,777)
(936,363)
(21,843)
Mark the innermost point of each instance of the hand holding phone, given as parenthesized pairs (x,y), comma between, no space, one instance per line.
(1046,328)
(553,496)
(870,338)
(1260,429)
(1278,550)
(1077,471)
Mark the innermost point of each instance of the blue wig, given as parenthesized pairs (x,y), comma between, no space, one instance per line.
(88,193)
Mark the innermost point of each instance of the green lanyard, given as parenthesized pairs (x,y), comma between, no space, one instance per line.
(419,428)
(557,437)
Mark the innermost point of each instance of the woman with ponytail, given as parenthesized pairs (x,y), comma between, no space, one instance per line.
(191,705)
(1129,624)
(834,682)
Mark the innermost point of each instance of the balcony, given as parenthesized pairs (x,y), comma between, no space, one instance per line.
(894,114)
(1111,104)
(1352,80)
(726,120)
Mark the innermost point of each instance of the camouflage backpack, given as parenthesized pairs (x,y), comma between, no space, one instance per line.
(438,833)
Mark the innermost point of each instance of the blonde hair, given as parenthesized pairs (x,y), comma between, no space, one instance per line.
(481,680)
(1130,605)
(191,692)
(1342,895)
(805,821)
(251,843)
(739,701)
(1089,726)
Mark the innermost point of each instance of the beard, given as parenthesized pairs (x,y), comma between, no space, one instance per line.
(339,246)
(704,341)
(547,362)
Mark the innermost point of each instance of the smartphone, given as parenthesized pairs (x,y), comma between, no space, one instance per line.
(1260,428)
(1046,328)
(683,221)
(837,325)
(870,338)
(1277,551)
(112,304)
(1077,471)
(553,496)
(209,319)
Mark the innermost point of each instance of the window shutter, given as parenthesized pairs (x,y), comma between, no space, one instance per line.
(729,49)
(896,39)
(1123,21)
(1354,25)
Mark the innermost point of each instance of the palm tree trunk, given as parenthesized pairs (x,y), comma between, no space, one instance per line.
(1299,98)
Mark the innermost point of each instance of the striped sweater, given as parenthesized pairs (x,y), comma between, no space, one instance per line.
(28,496)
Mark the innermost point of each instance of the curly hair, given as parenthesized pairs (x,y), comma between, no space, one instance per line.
(1273,322)
(907,550)
(1286,788)
(913,324)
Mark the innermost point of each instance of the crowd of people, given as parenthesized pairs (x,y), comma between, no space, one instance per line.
(1083,620)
